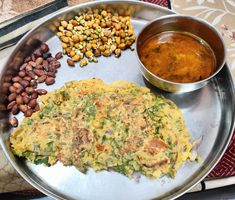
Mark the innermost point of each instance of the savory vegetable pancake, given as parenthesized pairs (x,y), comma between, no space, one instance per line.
(119,126)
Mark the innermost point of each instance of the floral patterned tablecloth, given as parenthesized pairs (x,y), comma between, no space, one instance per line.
(220,13)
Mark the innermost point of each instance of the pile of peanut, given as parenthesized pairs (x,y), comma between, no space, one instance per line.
(95,33)
(37,68)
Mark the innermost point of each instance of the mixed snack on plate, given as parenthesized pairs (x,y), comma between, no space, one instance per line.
(119,126)
(95,33)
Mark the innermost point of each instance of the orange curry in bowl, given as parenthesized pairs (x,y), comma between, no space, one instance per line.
(178,57)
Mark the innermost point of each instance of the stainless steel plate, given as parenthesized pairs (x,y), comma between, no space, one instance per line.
(209,112)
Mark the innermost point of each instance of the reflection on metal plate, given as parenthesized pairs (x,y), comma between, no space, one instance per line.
(209,112)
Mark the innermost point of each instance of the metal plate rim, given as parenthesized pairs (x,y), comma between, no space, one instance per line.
(29,179)
(50,193)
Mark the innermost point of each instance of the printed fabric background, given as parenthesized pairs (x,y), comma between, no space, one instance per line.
(12,8)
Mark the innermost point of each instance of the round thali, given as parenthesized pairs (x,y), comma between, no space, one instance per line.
(208,112)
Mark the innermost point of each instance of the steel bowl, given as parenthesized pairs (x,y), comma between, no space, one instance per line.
(198,27)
